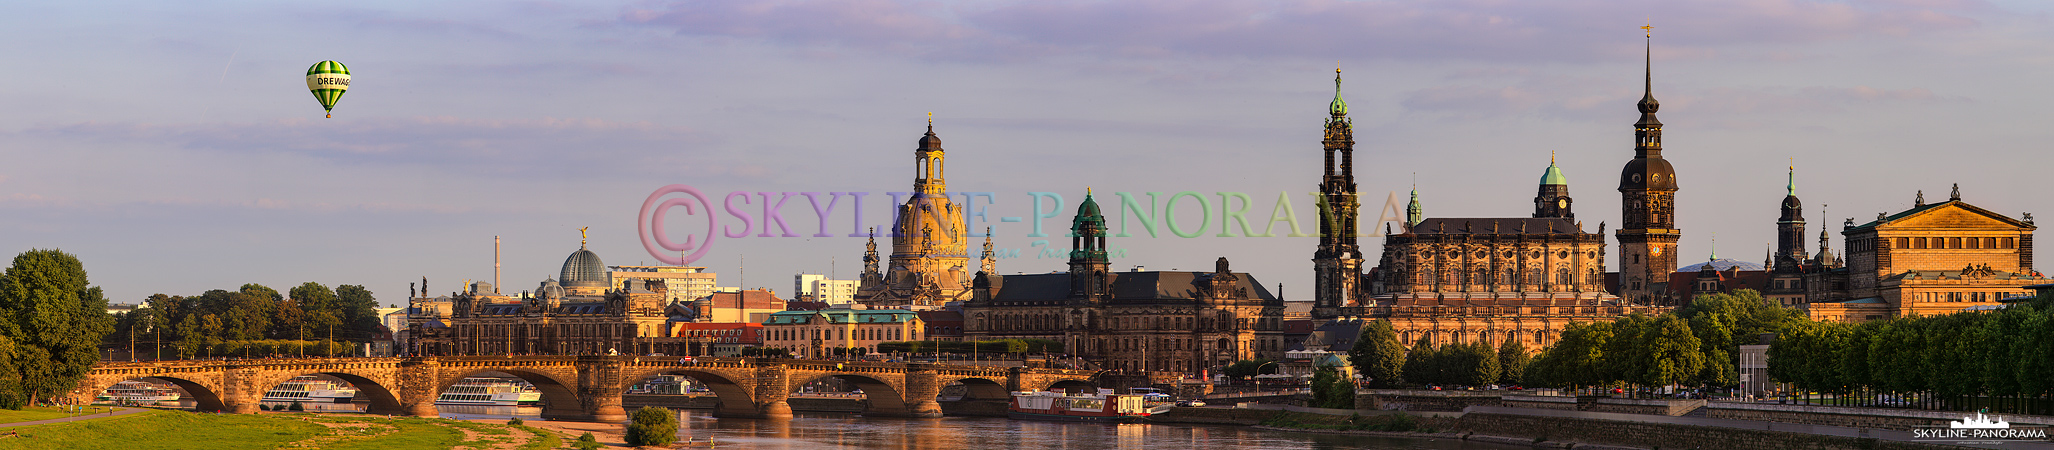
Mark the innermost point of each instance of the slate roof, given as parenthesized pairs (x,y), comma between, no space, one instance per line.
(1505,225)
(1127,286)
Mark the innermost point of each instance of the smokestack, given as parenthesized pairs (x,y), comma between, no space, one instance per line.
(495,263)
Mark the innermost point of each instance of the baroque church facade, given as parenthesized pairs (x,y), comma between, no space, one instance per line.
(1459,280)
(929,263)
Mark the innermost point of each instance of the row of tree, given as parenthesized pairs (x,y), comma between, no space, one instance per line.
(1378,357)
(51,325)
(1694,345)
(244,320)
(2003,353)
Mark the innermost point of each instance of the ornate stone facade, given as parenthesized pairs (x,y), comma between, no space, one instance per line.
(582,314)
(929,263)
(1138,321)
(1935,258)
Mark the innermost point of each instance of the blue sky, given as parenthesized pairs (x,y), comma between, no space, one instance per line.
(174,146)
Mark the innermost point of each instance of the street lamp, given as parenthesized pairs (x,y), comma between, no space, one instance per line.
(1258,375)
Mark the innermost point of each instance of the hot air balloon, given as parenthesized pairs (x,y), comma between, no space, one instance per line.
(328,80)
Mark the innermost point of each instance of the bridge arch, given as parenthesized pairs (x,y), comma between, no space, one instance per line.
(559,392)
(881,395)
(370,387)
(735,399)
(205,394)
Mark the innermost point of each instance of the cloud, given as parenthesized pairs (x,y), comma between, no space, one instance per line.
(1807,99)
(1446,30)
(549,146)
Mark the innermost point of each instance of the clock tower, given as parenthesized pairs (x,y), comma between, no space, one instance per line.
(1553,200)
(1647,190)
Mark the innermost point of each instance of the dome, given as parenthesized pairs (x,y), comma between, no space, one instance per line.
(583,269)
(1554,176)
(1330,360)
(930,141)
(1722,264)
(1648,173)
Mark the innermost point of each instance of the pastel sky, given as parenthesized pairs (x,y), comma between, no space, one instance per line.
(173,146)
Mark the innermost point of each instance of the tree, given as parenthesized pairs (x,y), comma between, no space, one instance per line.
(653,427)
(1250,367)
(1673,353)
(1422,364)
(55,319)
(360,310)
(1512,361)
(1378,355)
(1330,390)
(323,311)
(1577,359)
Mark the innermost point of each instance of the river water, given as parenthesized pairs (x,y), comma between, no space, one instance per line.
(828,430)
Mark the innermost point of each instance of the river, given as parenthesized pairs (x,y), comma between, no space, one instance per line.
(829,430)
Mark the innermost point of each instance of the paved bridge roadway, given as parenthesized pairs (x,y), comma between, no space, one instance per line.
(585,387)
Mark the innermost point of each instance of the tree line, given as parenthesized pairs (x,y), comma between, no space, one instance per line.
(2006,352)
(252,321)
(1694,345)
(51,324)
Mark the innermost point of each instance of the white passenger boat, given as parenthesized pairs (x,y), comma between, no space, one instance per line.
(310,389)
(132,392)
(489,391)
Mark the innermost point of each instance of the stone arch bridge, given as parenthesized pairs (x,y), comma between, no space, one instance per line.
(586,387)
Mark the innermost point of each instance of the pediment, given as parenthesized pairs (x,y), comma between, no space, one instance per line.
(1957,215)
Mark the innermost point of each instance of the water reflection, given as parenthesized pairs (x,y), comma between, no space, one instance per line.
(816,430)
(489,412)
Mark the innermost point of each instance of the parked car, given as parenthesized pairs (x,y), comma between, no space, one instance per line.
(1191,403)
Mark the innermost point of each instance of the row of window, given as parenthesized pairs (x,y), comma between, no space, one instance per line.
(1486,276)
(860,334)
(1937,243)
(1957,297)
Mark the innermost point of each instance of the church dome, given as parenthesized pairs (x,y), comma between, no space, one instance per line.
(583,269)
(1554,176)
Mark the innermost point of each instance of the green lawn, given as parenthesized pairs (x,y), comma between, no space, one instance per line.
(184,430)
(36,413)
(413,433)
(165,430)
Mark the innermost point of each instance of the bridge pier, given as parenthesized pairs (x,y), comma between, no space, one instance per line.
(923,384)
(773,386)
(599,388)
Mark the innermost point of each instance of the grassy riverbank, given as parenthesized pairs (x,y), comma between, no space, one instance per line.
(183,430)
(33,413)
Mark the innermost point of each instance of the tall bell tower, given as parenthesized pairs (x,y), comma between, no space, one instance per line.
(1647,190)
(1337,264)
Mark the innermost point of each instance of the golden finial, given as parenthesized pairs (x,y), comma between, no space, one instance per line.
(1551,157)
(582,237)
(1649,28)
(930,118)
(1087,191)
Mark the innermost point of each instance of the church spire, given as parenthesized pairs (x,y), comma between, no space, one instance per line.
(1339,107)
(1413,212)
(1792,187)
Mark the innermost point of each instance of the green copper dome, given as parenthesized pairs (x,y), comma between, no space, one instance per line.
(1339,107)
(1554,176)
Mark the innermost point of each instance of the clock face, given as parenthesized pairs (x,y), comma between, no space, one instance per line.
(1657,251)
(1561,203)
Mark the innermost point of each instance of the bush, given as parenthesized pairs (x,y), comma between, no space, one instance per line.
(296,406)
(587,442)
(514,421)
(654,427)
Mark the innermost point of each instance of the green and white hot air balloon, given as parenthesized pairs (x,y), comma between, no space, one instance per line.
(328,80)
